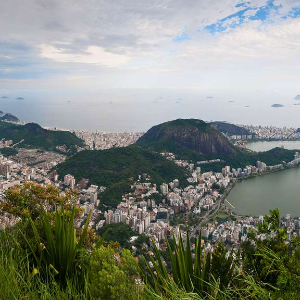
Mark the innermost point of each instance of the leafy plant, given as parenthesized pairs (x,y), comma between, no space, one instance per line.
(192,274)
(112,274)
(59,252)
(18,280)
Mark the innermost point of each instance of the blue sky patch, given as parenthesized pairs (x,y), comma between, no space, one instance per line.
(295,13)
(181,38)
(248,13)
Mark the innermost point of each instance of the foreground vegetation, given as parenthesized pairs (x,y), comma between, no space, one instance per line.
(47,258)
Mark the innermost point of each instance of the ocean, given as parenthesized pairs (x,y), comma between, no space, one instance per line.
(139,110)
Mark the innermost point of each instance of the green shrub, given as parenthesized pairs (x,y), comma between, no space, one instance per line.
(112,274)
(59,253)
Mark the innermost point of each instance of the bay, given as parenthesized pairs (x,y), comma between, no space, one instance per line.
(140,109)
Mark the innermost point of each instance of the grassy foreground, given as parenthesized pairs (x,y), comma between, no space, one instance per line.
(46,257)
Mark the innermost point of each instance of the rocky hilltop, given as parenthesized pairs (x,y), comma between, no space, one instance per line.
(188,138)
(230,129)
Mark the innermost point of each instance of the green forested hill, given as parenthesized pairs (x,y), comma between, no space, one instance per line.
(9,117)
(189,139)
(196,140)
(35,136)
(113,168)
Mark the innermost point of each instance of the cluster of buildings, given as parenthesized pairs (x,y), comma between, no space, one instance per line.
(273,132)
(243,137)
(5,143)
(260,167)
(211,161)
(102,140)
(87,197)
(234,232)
(148,208)
(16,172)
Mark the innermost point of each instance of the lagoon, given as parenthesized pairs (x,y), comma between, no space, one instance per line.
(256,196)
(268,145)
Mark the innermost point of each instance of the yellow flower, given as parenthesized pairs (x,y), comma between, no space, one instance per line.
(26,212)
(42,246)
(35,271)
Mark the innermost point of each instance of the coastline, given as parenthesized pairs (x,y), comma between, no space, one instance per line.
(221,200)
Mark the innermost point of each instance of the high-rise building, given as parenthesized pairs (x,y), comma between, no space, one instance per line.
(164,189)
(176,181)
(69,180)
(4,170)
(93,197)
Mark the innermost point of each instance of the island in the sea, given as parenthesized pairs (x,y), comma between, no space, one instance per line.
(20,98)
(4,97)
(277,105)
(297,97)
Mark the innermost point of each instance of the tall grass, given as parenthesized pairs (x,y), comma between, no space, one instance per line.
(193,274)
(249,289)
(19,281)
(59,253)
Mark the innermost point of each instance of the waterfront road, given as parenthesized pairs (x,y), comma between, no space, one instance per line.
(209,214)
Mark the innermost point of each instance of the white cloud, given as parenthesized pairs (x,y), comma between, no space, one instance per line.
(252,42)
(92,55)
(135,39)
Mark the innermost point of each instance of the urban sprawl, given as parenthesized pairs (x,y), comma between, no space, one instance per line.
(151,209)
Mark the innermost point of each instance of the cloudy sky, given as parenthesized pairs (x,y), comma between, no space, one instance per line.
(190,44)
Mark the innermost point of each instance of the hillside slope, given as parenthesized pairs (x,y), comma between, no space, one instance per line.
(34,136)
(230,129)
(190,139)
(114,167)
(9,117)
(196,140)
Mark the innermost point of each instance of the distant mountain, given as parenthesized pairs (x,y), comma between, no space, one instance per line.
(297,97)
(20,98)
(196,140)
(34,136)
(9,117)
(188,138)
(4,97)
(114,167)
(230,129)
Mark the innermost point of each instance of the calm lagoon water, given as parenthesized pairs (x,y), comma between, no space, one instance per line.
(268,145)
(256,196)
